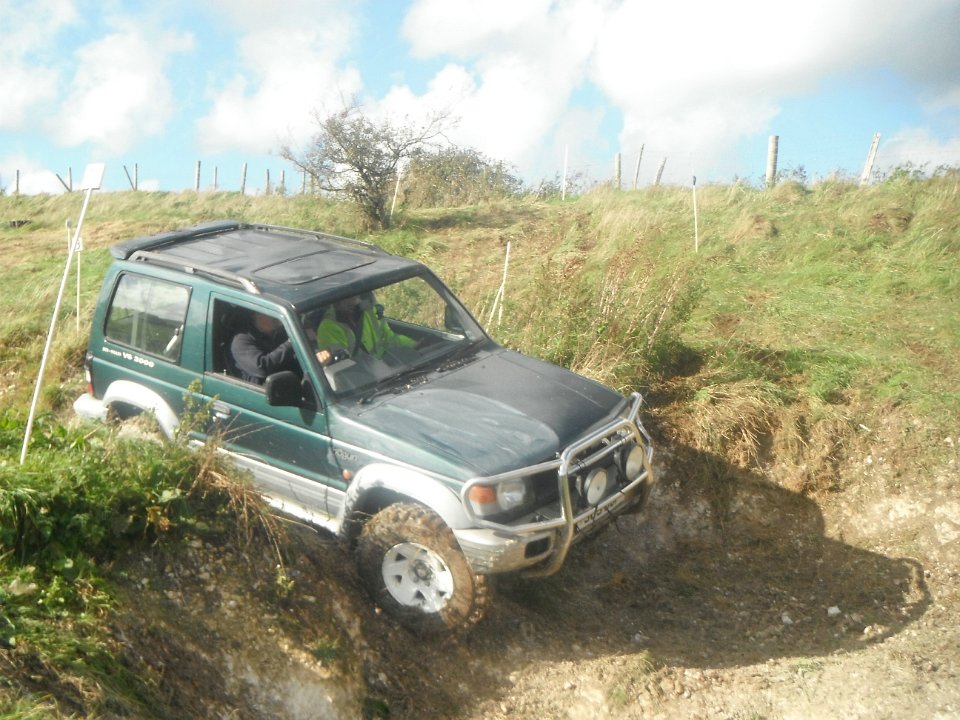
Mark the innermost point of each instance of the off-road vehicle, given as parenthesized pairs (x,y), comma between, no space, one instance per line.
(442,459)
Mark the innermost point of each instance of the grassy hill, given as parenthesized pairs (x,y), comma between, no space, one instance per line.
(802,307)
(806,320)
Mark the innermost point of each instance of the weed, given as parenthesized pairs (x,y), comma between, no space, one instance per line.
(632,676)
(327,651)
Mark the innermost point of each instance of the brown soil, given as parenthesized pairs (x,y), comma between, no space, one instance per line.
(756,603)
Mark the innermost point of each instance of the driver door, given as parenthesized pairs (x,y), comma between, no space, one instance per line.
(287,448)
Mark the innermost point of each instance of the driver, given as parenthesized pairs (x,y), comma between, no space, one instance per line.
(354,323)
(262,348)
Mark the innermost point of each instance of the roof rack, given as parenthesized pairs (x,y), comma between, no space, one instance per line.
(241,281)
(125,250)
(317,235)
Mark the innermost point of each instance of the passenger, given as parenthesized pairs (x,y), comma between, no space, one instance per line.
(353,324)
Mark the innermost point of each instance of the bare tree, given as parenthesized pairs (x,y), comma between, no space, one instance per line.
(354,157)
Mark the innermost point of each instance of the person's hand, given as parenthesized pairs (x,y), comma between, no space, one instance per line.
(325,357)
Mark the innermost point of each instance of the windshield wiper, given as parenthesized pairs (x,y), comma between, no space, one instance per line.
(458,356)
(417,374)
(398,383)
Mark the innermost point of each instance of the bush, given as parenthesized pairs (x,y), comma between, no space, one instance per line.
(454,176)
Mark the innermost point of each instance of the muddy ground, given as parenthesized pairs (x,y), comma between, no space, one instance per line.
(755,602)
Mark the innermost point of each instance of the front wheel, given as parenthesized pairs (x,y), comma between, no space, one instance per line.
(412,566)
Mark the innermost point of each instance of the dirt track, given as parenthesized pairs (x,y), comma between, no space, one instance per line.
(755,604)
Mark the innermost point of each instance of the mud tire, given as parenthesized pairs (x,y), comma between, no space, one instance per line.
(413,568)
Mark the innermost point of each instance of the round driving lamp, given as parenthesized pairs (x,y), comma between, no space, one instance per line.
(634,464)
(593,487)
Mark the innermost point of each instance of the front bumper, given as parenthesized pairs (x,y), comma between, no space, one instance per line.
(540,546)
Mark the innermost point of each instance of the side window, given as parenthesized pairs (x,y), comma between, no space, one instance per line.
(265,350)
(148,314)
(227,320)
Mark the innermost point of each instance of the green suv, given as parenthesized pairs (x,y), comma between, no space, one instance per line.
(364,398)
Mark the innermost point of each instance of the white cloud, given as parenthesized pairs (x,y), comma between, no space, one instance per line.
(32,178)
(526,78)
(465,28)
(520,63)
(917,38)
(27,55)
(24,89)
(571,145)
(695,78)
(919,148)
(288,68)
(689,79)
(119,93)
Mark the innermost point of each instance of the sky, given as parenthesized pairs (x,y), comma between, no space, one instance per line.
(155,90)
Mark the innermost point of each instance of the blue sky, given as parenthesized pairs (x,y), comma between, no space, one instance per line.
(702,84)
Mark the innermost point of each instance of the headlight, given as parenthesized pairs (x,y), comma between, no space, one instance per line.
(511,494)
(634,464)
(487,500)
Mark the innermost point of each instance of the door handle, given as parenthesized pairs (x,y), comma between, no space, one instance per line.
(221,411)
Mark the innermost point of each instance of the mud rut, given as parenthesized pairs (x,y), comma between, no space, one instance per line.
(747,601)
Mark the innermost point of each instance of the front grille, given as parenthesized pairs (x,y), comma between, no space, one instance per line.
(546,484)
(563,479)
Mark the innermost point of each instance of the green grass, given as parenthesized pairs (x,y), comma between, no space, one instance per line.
(83,497)
(808,312)
(829,292)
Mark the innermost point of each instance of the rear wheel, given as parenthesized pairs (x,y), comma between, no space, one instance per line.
(414,569)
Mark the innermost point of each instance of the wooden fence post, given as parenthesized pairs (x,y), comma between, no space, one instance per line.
(772,145)
(196,178)
(663,164)
(636,173)
(616,171)
(871,156)
(68,186)
(243,180)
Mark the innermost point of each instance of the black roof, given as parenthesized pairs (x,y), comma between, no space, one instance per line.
(301,267)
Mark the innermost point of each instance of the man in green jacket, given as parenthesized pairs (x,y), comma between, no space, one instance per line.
(353,324)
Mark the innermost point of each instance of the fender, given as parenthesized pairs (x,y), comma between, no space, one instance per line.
(147,400)
(409,483)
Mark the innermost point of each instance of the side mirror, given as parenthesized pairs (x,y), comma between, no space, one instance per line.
(283,388)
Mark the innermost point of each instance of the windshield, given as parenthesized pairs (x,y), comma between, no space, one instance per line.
(369,338)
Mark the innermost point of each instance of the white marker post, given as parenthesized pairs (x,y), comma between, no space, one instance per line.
(696,224)
(92,177)
(78,250)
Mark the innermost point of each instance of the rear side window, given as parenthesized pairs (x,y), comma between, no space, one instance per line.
(147,314)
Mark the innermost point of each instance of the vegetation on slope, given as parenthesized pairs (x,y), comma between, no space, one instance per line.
(805,315)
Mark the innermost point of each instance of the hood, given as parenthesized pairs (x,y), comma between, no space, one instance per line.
(500,412)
